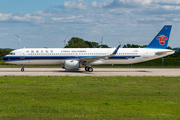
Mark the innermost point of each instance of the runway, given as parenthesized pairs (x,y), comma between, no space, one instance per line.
(96,72)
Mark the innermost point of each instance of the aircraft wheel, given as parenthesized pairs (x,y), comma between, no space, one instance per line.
(90,69)
(86,68)
(22,70)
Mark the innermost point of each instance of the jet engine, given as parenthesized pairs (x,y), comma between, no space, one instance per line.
(72,65)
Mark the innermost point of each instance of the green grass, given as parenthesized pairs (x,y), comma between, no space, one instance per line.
(88,98)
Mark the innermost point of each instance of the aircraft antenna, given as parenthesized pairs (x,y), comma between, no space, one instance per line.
(19,41)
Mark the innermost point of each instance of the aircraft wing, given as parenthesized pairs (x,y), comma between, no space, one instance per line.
(92,59)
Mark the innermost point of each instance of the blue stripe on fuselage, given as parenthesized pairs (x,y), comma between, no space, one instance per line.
(20,58)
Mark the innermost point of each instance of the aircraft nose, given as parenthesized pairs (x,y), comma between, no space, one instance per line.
(5,58)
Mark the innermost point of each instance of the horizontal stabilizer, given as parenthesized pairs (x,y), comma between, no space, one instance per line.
(164,52)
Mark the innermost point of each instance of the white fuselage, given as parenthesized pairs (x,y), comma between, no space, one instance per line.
(60,55)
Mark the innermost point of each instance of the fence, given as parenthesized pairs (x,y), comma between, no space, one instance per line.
(161,62)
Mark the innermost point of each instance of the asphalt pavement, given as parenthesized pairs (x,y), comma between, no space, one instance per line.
(96,72)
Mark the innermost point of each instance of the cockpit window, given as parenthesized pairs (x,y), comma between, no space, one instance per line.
(11,53)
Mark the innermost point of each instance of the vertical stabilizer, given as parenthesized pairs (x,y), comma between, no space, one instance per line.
(161,39)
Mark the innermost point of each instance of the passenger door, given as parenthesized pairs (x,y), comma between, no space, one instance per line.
(22,54)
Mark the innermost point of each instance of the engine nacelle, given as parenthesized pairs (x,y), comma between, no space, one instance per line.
(71,65)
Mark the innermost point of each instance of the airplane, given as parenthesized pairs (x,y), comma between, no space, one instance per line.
(75,58)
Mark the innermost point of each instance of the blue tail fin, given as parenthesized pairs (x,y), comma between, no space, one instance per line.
(161,39)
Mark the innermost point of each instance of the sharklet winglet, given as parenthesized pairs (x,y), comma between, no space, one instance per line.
(116,50)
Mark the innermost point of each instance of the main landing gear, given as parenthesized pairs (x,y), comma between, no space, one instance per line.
(90,69)
(22,69)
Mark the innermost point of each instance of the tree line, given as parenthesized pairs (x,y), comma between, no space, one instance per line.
(76,42)
(4,52)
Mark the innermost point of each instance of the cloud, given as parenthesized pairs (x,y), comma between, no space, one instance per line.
(141,5)
(57,19)
(109,13)
(79,5)
(73,18)
(124,3)
(151,20)
(42,13)
(140,8)
(176,20)
(4,17)
(27,18)
(113,13)
(4,28)
(118,19)
(94,4)
(3,34)
(21,18)
(171,2)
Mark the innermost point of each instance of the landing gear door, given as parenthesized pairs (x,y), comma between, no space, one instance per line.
(22,54)
(145,53)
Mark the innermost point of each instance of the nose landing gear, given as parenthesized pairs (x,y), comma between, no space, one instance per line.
(22,69)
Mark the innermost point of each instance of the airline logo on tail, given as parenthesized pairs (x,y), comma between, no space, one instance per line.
(162,39)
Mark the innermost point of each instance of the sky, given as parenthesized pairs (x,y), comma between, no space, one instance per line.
(46,23)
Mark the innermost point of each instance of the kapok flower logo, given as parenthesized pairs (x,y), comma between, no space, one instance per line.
(162,39)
